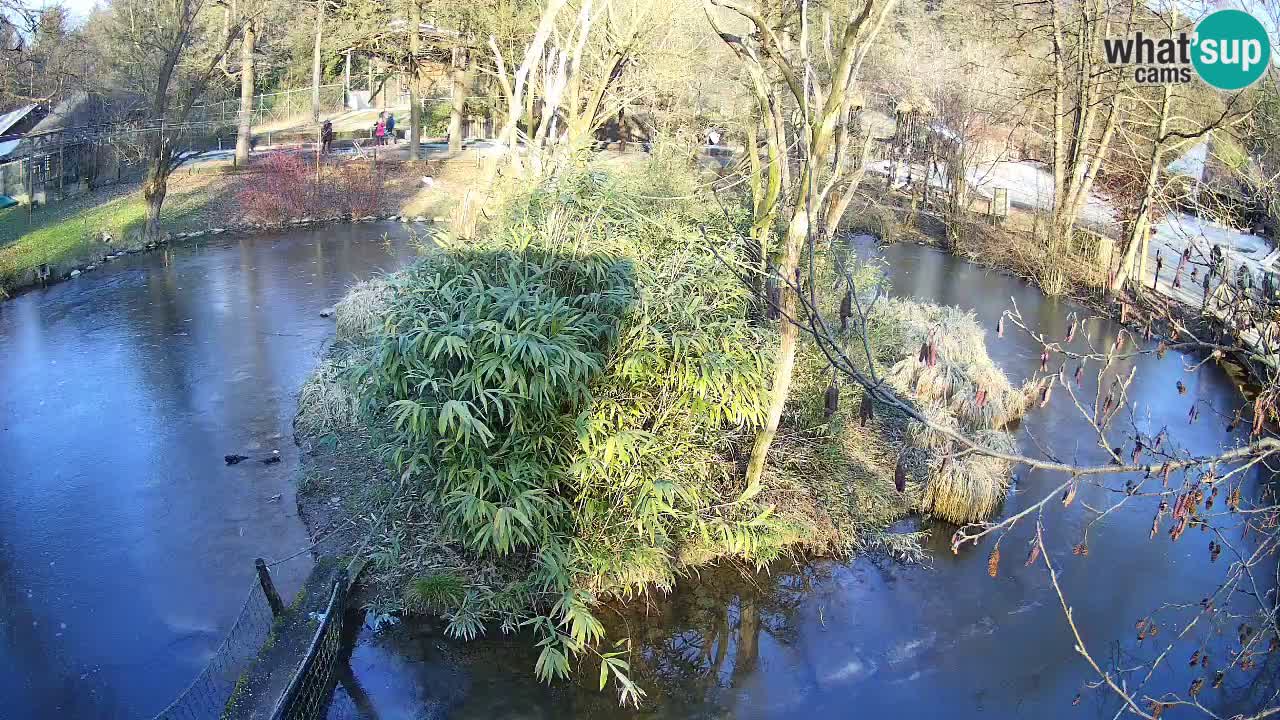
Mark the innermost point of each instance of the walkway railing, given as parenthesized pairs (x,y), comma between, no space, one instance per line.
(206,697)
(311,687)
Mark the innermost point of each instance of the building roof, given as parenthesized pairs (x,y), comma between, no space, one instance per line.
(1192,163)
(12,117)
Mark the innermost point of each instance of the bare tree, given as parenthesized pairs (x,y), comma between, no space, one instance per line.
(41,55)
(244,121)
(824,186)
(571,76)
(168,53)
(1167,133)
(1062,43)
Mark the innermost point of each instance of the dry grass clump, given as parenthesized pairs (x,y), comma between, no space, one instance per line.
(960,390)
(362,311)
(927,437)
(968,488)
(325,402)
(1018,245)
(883,222)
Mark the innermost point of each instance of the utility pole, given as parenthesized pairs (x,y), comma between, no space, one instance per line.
(244,132)
(415,107)
(315,64)
(346,81)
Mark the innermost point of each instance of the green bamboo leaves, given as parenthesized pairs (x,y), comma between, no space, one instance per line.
(571,389)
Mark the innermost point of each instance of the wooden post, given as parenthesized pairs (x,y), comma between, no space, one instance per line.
(1142,254)
(1106,253)
(346,82)
(269,588)
(62,171)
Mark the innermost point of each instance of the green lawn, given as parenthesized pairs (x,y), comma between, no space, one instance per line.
(64,233)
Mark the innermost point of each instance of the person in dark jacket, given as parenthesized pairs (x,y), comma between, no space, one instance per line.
(326,137)
(391,127)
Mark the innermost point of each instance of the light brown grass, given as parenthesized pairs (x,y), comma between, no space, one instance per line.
(361,312)
(969,486)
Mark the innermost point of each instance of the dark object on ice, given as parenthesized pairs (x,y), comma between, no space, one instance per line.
(270,460)
(234,459)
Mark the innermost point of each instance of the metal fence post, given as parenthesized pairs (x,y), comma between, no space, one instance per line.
(269,587)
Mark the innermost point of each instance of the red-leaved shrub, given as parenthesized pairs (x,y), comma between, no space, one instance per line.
(353,189)
(286,188)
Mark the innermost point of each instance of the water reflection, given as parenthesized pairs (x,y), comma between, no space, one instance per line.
(870,638)
(126,546)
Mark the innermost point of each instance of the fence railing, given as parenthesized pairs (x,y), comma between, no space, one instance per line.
(271,107)
(206,697)
(311,687)
(311,683)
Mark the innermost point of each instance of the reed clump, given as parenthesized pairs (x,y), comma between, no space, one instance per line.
(362,311)
(943,366)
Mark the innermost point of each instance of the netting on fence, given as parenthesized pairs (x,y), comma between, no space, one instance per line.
(311,688)
(272,107)
(207,695)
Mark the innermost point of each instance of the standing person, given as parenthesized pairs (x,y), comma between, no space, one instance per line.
(391,127)
(380,130)
(1182,262)
(326,137)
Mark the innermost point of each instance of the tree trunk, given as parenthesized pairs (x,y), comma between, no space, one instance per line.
(244,133)
(458,98)
(519,97)
(315,63)
(784,363)
(1135,247)
(153,192)
(415,106)
(1062,230)
(820,126)
(1142,218)
(754,249)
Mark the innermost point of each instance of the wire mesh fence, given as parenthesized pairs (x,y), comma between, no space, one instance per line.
(311,688)
(274,107)
(206,697)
